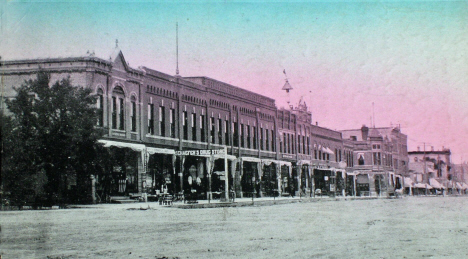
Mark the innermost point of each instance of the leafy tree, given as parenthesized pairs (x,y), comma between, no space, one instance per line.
(49,141)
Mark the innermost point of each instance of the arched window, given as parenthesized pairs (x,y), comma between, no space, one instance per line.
(118,108)
(100,107)
(133,113)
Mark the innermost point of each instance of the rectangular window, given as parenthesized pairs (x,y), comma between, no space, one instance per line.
(150,118)
(267,140)
(172,122)
(212,130)
(121,114)
(114,112)
(254,137)
(162,121)
(261,138)
(289,144)
(315,153)
(242,135)
(236,134)
(308,145)
(220,131)
(185,124)
(226,132)
(248,137)
(133,115)
(293,146)
(303,145)
(299,144)
(377,158)
(273,141)
(194,126)
(202,128)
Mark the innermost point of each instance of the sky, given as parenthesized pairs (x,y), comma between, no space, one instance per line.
(404,61)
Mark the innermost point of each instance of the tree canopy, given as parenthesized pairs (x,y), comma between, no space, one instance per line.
(48,141)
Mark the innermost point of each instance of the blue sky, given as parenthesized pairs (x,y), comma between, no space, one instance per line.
(409,58)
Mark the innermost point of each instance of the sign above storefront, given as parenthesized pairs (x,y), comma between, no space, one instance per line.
(202,152)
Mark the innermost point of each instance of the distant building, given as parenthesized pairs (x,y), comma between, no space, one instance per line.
(379,159)
(432,164)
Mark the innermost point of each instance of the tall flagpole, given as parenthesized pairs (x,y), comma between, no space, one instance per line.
(177,48)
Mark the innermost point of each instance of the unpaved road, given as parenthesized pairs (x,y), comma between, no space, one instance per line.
(405,228)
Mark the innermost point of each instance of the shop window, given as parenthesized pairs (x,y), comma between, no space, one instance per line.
(151,118)
(162,121)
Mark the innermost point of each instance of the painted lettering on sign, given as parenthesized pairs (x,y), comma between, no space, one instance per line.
(203,152)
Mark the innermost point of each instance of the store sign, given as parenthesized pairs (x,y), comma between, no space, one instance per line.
(202,152)
(287,156)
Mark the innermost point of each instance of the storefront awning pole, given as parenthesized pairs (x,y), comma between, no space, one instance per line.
(226,178)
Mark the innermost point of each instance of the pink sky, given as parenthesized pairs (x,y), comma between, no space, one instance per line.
(409,59)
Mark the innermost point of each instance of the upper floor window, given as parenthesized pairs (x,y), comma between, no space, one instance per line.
(133,114)
(118,108)
(220,131)
(150,118)
(194,126)
(162,121)
(100,107)
(172,122)
(202,128)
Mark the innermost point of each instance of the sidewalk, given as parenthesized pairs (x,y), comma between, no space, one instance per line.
(239,202)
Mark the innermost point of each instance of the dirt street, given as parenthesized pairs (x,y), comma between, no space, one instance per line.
(412,227)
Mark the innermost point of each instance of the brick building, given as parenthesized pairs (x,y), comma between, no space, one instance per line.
(165,133)
(379,159)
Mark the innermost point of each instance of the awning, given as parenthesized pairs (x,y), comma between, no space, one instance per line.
(303,162)
(229,157)
(434,183)
(154,150)
(459,186)
(408,182)
(419,185)
(251,159)
(327,150)
(285,163)
(465,186)
(132,146)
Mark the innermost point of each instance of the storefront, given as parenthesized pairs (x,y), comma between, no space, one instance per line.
(122,169)
(325,181)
